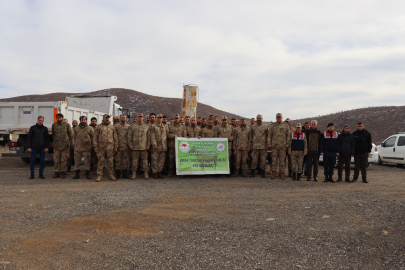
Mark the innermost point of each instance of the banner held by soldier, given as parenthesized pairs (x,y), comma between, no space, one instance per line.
(201,156)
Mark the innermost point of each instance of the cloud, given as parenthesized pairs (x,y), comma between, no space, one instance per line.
(302,58)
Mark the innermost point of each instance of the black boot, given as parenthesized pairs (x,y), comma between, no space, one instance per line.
(236,174)
(160,175)
(32,176)
(354,179)
(331,179)
(365,180)
(339,179)
(155,175)
(263,173)
(117,174)
(299,176)
(326,179)
(69,169)
(252,173)
(88,175)
(124,174)
(316,178)
(77,176)
(294,176)
(41,176)
(347,180)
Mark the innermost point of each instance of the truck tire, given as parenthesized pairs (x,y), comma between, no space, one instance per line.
(26,160)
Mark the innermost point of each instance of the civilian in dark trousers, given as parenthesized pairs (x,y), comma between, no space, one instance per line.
(38,143)
(313,136)
(362,151)
(346,153)
(330,148)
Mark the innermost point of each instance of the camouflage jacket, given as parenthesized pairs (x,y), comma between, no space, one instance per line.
(105,135)
(83,138)
(224,131)
(259,135)
(122,133)
(208,132)
(241,138)
(158,137)
(193,132)
(139,136)
(62,136)
(279,135)
(178,131)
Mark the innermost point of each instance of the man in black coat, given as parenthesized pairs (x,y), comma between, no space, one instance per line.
(313,135)
(330,148)
(362,151)
(346,153)
(38,143)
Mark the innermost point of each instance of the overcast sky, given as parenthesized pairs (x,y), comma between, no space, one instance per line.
(301,58)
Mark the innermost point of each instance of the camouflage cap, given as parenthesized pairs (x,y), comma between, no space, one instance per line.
(224,117)
(160,115)
(106,115)
(176,116)
(288,120)
(140,114)
(298,125)
(279,115)
(116,118)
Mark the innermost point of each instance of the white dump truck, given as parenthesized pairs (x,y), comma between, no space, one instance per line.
(16,118)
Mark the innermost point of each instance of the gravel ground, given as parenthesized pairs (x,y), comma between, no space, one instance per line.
(200,222)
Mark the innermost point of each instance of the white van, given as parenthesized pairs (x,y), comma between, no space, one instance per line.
(392,149)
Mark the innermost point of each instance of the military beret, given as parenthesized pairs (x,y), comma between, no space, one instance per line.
(106,115)
(176,116)
(279,115)
(224,117)
(160,115)
(140,114)
(298,125)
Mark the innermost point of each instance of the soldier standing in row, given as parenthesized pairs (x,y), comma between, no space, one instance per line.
(258,144)
(241,142)
(199,122)
(177,130)
(193,131)
(203,123)
(94,159)
(208,131)
(71,159)
(105,145)
(288,157)
(279,140)
(330,148)
(62,140)
(139,141)
(122,156)
(297,151)
(83,140)
(116,120)
(158,141)
(225,131)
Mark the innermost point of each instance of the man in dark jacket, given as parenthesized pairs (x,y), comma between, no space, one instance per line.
(362,151)
(38,143)
(346,153)
(330,148)
(313,136)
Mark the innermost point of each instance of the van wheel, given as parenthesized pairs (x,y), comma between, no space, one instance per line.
(379,162)
(26,160)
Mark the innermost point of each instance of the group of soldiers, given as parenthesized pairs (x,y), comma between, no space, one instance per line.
(150,146)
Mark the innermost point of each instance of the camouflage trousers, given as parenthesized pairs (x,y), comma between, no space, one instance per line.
(288,158)
(140,155)
(278,155)
(71,159)
(241,157)
(94,159)
(259,157)
(172,158)
(157,161)
(60,158)
(297,158)
(78,158)
(102,155)
(121,160)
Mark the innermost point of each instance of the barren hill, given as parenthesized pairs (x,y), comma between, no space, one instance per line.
(135,101)
(381,122)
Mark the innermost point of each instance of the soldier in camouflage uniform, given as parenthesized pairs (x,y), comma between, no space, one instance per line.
(225,131)
(241,146)
(187,121)
(122,155)
(94,159)
(258,143)
(208,131)
(139,141)
(279,141)
(199,120)
(158,142)
(62,135)
(193,131)
(203,123)
(297,150)
(105,142)
(83,138)
(116,120)
(216,121)
(288,157)
(177,130)
(71,158)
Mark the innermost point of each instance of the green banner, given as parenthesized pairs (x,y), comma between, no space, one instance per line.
(202,156)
